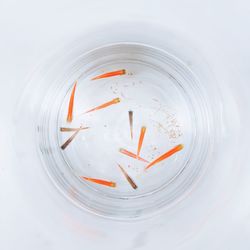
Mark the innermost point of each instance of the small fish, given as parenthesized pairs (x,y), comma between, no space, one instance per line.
(99,181)
(71,104)
(71,138)
(110,74)
(130,115)
(142,134)
(129,179)
(166,155)
(63,129)
(130,154)
(104,105)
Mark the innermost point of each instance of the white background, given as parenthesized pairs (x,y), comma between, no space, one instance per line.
(31,29)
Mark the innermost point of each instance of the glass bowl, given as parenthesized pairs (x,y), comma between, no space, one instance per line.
(170,90)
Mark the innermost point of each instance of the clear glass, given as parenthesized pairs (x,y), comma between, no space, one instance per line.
(172,92)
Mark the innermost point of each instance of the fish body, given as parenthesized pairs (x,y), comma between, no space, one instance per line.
(105,105)
(131,154)
(110,74)
(100,182)
(165,156)
(130,115)
(141,138)
(129,179)
(71,104)
(63,129)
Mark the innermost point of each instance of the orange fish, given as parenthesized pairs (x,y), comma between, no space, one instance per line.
(129,179)
(130,115)
(143,131)
(99,181)
(114,101)
(71,104)
(130,154)
(110,74)
(166,155)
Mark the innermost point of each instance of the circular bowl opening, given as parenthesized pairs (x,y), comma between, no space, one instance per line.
(158,92)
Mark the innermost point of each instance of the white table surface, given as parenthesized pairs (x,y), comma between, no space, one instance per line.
(31,29)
